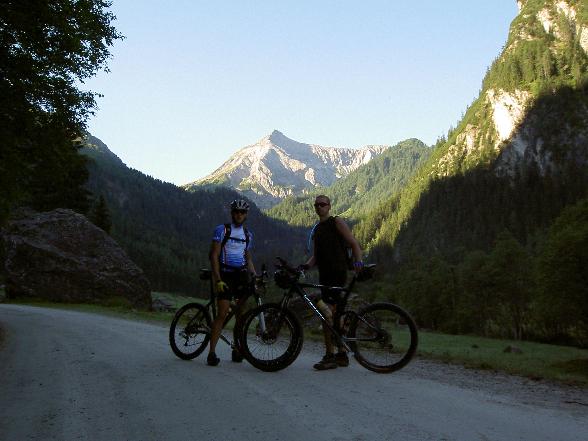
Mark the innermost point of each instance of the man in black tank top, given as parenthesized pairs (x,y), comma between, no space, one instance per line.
(332,237)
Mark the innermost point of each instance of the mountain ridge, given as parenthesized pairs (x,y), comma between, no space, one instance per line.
(276,166)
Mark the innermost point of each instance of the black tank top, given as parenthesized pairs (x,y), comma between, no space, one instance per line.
(329,247)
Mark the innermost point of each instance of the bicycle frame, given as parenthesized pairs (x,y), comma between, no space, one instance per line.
(343,340)
(298,288)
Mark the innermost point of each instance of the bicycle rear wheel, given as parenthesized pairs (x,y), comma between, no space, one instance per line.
(383,337)
(189,332)
(276,347)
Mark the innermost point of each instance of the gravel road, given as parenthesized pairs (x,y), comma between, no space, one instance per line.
(75,376)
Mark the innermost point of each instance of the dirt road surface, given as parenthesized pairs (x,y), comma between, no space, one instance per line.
(75,376)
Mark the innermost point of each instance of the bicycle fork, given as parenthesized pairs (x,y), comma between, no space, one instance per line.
(261,317)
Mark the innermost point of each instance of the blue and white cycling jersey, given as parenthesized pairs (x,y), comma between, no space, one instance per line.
(233,253)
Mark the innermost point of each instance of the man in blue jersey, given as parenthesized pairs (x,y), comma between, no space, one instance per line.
(232,265)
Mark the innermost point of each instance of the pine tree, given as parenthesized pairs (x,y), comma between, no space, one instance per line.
(48,48)
(101,215)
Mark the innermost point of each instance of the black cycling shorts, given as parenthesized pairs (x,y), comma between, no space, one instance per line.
(238,282)
(332,278)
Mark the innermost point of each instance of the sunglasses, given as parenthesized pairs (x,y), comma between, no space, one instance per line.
(320,204)
(240,211)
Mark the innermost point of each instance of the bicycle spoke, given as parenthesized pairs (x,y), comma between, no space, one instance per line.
(190,331)
(384,338)
(275,347)
(271,344)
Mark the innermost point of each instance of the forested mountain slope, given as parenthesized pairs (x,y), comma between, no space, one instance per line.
(519,154)
(365,188)
(463,236)
(166,230)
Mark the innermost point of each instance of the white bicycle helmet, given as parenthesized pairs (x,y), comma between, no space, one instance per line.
(239,204)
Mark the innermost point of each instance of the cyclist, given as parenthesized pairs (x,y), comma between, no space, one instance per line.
(332,237)
(232,264)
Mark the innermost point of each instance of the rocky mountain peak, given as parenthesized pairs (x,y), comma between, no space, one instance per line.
(276,137)
(277,166)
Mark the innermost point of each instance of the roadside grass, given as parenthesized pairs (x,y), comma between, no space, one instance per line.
(121,311)
(536,361)
(176,300)
(118,307)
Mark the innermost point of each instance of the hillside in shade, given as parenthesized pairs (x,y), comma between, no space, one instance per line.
(490,235)
(519,155)
(166,230)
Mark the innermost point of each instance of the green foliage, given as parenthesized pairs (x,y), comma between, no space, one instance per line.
(511,283)
(536,60)
(537,360)
(563,276)
(508,291)
(48,48)
(427,287)
(100,215)
(478,305)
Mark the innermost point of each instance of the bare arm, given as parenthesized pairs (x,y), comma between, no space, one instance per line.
(249,259)
(312,261)
(349,238)
(214,256)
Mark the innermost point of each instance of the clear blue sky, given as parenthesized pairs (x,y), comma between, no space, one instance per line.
(195,80)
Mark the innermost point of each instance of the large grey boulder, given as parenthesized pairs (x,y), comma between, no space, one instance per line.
(61,256)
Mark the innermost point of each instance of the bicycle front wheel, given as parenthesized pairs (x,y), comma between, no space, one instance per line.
(383,337)
(189,332)
(271,337)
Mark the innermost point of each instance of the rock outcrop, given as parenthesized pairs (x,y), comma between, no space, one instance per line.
(61,256)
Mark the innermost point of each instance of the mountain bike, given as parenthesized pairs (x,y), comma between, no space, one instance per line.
(383,337)
(189,332)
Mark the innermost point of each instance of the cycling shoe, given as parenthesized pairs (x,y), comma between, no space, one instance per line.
(236,356)
(212,359)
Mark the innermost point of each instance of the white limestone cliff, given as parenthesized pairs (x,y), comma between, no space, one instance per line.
(508,110)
